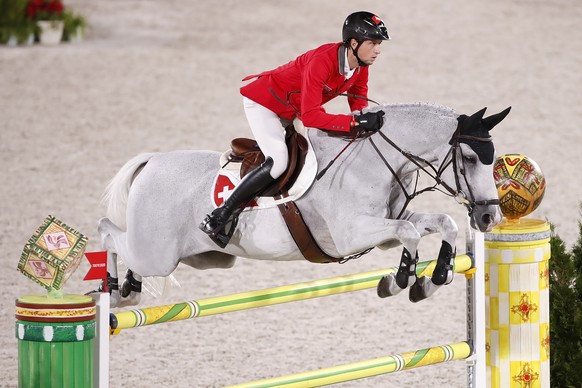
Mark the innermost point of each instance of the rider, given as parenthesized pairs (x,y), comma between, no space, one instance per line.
(299,89)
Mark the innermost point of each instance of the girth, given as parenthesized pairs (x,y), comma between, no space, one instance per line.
(302,235)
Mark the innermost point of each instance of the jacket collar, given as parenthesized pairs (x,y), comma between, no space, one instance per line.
(341,60)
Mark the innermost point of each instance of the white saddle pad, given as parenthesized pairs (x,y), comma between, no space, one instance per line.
(228,178)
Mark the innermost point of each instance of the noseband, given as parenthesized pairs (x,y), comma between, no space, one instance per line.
(436,173)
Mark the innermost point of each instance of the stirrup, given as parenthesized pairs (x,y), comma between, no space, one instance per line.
(218,234)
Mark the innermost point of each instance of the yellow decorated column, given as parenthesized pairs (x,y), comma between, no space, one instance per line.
(517,304)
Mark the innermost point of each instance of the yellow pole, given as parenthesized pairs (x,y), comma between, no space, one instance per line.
(517,303)
(267,297)
(360,370)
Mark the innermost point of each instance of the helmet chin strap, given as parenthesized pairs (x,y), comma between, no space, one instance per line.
(355,51)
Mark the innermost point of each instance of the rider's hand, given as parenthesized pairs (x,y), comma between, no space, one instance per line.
(370,121)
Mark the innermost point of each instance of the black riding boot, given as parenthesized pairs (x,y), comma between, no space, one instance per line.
(214,225)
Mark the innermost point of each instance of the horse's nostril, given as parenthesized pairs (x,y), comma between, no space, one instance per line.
(486,218)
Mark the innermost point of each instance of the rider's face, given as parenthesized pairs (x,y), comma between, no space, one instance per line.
(368,51)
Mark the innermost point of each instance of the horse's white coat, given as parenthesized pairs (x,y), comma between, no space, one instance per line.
(350,209)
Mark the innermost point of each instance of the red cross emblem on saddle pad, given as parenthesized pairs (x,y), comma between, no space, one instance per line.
(223,187)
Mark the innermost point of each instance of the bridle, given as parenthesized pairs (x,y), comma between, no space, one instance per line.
(424,165)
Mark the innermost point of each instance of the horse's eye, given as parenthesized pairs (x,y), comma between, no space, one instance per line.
(470,159)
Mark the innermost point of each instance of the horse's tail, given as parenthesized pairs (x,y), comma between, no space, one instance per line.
(117,191)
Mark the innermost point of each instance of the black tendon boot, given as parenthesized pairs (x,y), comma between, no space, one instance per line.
(443,270)
(215,224)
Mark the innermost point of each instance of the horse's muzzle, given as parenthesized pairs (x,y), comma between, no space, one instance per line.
(485,215)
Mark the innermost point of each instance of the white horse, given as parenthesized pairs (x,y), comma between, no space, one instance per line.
(157,200)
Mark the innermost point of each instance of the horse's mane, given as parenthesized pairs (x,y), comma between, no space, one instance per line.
(427,107)
(410,113)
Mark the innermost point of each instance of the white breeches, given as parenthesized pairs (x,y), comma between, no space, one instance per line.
(269,134)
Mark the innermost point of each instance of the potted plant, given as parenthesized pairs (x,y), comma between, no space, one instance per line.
(24,33)
(74,27)
(15,26)
(49,16)
(5,34)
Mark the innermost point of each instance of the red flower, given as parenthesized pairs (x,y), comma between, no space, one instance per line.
(44,9)
(55,7)
(30,10)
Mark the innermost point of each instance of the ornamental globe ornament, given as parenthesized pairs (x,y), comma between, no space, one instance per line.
(520,185)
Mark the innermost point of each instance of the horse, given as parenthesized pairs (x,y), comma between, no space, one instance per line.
(156,201)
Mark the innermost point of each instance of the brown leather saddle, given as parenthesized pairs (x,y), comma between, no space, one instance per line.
(247,152)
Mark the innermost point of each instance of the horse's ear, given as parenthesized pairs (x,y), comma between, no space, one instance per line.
(474,120)
(479,115)
(495,119)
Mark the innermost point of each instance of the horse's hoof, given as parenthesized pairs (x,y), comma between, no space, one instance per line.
(125,289)
(114,299)
(422,289)
(387,286)
(132,300)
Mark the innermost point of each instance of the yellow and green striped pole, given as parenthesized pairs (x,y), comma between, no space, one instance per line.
(517,303)
(375,367)
(267,297)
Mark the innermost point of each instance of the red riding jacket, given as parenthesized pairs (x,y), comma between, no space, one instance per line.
(302,86)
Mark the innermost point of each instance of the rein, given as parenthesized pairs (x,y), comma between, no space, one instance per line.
(426,166)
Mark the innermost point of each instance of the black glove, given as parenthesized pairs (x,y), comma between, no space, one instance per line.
(370,121)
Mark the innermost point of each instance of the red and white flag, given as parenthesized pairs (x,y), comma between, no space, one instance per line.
(98,270)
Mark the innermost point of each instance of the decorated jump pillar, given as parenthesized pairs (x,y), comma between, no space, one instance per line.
(55,341)
(517,303)
(517,299)
(55,331)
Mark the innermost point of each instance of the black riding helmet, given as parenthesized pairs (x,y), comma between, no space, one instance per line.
(363,26)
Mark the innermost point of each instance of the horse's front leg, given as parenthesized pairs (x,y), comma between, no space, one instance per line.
(374,231)
(443,272)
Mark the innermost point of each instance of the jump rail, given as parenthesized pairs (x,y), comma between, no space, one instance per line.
(267,297)
(302,291)
(376,367)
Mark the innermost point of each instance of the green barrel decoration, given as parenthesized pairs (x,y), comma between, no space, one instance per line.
(55,341)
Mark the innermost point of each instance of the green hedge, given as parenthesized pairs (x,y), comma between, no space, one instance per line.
(566,312)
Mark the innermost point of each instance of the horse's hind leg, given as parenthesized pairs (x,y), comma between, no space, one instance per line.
(130,291)
(112,278)
(112,242)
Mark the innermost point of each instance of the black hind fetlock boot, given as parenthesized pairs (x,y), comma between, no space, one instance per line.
(221,223)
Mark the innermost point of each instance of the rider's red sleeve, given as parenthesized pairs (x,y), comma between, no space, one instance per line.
(317,81)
